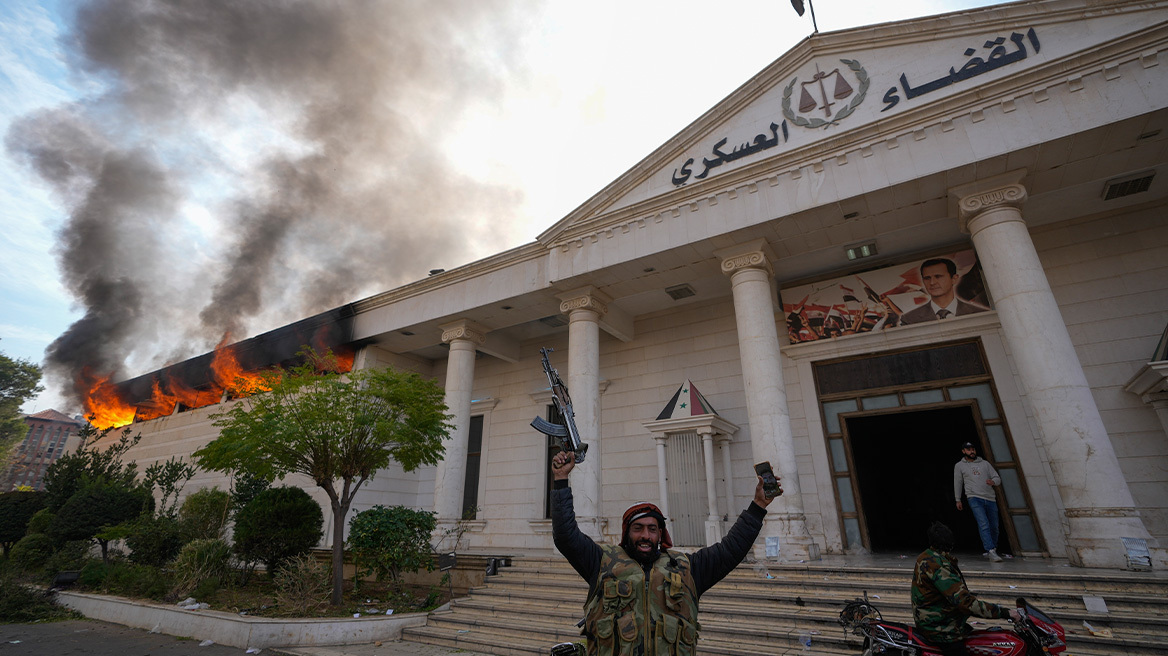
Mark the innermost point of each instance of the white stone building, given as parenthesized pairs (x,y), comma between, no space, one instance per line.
(1031,134)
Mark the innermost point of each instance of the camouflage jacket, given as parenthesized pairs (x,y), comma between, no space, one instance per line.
(941,600)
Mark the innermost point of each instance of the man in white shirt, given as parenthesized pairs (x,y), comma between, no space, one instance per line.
(977,479)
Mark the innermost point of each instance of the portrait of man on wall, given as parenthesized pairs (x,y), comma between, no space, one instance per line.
(947,286)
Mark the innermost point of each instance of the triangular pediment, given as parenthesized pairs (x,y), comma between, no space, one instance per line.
(835,91)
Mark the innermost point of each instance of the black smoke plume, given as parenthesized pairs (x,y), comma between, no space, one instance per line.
(345,192)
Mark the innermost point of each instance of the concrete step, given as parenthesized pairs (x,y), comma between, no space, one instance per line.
(538,601)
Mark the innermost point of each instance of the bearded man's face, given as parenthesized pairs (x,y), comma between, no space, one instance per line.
(644,538)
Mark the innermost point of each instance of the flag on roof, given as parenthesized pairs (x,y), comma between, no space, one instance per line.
(687,401)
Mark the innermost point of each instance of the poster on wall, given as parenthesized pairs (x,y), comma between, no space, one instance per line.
(933,289)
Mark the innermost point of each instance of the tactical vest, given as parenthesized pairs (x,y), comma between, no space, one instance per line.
(628,614)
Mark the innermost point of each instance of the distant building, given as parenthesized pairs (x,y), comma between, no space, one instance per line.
(51,434)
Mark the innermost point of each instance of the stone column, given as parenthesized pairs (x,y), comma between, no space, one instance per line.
(713,526)
(728,478)
(662,484)
(463,337)
(1098,504)
(766,400)
(584,308)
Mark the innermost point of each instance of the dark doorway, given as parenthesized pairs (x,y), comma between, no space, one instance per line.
(904,472)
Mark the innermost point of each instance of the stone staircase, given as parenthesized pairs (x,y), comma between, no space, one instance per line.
(769,610)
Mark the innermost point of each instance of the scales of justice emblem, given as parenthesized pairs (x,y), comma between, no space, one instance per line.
(823,92)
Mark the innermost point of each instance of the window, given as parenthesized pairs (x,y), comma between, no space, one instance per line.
(474,453)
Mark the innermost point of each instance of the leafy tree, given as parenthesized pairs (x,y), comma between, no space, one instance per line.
(334,428)
(244,487)
(280,523)
(90,513)
(19,380)
(389,541)
(16,509)
(90,465)
(170,478)
(203,515)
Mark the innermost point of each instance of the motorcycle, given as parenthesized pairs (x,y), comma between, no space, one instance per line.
(1036,634)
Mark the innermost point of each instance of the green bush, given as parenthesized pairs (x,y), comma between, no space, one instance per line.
(207,587)
(245,487)
(92,575)
(302,584)
(280,523)
(16,509)
(154,540)
(130,580)
(31,552)
(20,603)
(96,507)
(204,514)
(200,561)
(40,521)
(125,579)
(69,557)
(389,541)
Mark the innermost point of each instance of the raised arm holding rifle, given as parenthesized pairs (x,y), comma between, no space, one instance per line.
(567,434)
(641,592)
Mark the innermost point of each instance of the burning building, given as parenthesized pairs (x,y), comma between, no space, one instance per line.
(231,370)
(964,242)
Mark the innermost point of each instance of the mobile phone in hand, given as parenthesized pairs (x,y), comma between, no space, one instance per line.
(770,486)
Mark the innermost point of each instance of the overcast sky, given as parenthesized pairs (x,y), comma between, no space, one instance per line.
(172,173)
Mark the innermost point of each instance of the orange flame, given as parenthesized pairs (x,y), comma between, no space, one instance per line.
(232,377)
(104,402)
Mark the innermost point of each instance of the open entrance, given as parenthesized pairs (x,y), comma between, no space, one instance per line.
(894,423)
(904,476)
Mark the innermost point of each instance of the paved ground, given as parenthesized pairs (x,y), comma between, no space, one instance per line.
(92,638)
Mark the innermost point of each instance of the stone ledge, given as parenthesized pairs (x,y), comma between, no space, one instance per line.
(236,630)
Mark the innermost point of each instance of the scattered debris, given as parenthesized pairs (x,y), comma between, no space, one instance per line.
(1095,605)
(206,643)
(1099,633)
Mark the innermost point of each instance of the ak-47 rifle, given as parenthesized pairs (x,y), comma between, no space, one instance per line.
(567,434)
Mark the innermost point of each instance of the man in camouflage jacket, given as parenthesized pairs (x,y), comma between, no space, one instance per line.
(642,595)
(941,600)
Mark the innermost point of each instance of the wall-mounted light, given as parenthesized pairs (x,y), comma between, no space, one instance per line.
(860,251)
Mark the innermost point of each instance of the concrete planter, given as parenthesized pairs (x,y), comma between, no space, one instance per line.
(236,630)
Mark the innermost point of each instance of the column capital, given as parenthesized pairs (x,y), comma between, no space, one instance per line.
(464,329)
(585,298)
(754,254)
(977,198)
